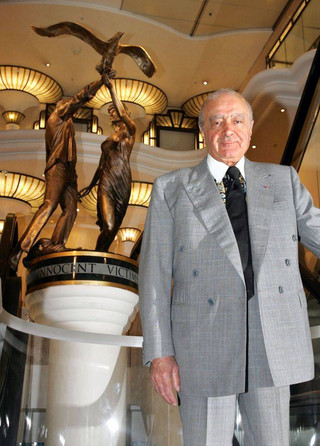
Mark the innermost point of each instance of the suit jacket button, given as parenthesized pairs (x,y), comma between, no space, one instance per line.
(281,289)
(195,273)
(210,301)
(294,238)
(288,262)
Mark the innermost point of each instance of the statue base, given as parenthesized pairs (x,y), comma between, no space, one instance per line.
(92,292)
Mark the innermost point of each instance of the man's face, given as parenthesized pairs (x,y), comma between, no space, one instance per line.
(227,128)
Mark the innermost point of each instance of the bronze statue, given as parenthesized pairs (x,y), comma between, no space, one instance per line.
(113,173)
(109,49)
(60,178)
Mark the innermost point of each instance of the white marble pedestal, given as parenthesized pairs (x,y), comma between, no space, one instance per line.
(87,383)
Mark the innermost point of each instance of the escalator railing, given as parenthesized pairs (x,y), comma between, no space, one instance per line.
(305,397)
(14,344)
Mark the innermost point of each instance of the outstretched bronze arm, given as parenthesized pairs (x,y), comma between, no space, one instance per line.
(123,114)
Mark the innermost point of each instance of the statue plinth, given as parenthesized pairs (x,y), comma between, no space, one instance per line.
(92,292)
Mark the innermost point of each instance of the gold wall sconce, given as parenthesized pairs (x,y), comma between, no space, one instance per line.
(128,234)
(13,119)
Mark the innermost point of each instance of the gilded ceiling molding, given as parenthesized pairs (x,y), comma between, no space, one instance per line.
(151,98)
(38,84)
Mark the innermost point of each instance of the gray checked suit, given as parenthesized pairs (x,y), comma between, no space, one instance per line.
(192,291)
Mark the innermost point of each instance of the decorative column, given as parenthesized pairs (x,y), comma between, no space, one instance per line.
(93,292)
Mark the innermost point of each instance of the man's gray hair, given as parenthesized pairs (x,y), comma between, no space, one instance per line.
(215,95)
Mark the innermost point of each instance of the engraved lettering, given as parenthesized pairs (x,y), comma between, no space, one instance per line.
(82,267)
(66,265)
(56,269)
(110,269)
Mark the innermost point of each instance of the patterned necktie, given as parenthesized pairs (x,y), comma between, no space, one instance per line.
(236,206)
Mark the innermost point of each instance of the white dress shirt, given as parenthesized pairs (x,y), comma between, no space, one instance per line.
(218,169)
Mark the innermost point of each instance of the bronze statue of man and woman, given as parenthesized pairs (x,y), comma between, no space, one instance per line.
(113,174)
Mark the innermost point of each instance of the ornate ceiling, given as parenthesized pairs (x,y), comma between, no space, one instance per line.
(191,41)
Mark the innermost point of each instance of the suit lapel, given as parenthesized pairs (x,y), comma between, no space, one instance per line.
(206,199)
(260,193)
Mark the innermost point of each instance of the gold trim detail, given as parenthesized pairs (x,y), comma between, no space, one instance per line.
(76,253)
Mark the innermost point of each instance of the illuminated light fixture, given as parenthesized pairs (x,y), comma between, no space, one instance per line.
(192,106)
(253,146)
(128,234)
(42,120)
(41,124)
(13,117)
(151,98)
(201,141)
(140,196)
(25,188)
(282,110)
(94,124)
(100,131)
(38,84)
(146,138)
(176,120)
(150,136)
(140,193)
(205,82)
(1,227)
(176,117)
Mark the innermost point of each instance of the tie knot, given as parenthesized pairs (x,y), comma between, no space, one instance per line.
(233,172)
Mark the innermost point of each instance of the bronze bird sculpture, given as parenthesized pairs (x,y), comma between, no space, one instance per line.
(109,49)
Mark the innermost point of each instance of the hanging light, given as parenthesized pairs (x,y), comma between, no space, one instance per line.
(140,196)
(192,106)
(151,98)
(25,188)
(38,84)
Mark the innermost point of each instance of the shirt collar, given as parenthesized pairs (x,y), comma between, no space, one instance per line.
(219,169)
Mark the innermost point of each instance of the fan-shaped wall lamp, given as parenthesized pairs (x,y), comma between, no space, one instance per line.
(140,196)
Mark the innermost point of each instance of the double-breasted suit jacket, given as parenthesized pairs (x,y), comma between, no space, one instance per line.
(192,290)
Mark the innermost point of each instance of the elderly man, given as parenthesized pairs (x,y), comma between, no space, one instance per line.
(222,303)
